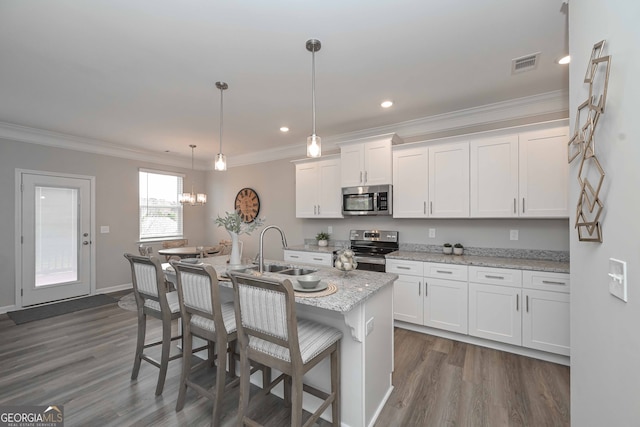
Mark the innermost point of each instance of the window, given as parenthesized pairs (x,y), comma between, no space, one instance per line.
(160,211)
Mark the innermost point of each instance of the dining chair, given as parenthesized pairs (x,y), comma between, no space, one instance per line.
(204,316)
(168,244)
(152,299)
(269,333)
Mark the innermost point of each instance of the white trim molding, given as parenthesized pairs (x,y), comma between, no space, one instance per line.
(456,121)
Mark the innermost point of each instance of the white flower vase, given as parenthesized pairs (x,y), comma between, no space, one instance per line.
(323,242)
(234,258)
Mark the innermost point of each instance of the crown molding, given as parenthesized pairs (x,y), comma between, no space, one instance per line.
(456,121)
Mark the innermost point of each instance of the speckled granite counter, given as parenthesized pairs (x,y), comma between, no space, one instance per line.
(314,248)
(485,261)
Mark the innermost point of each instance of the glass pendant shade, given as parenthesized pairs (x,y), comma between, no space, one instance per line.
(192,198)
(220,163)
(314,146)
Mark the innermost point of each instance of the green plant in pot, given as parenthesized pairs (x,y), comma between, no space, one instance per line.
(447,249)
(458,249)
(322,238)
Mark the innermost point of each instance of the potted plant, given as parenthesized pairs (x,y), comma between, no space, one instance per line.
(232,222)
(447,249)
(458,249)
(322,238)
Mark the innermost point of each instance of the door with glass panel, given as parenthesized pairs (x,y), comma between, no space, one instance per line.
(55,237)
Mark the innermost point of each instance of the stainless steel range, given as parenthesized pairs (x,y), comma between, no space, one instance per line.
(370,247)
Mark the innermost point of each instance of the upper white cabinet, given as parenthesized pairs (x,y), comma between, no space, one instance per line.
(367,162)
(521,175)
(318,188)
(544,173)
(431,181)
(494,177)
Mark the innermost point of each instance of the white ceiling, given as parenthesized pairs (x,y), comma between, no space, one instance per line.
(142,73)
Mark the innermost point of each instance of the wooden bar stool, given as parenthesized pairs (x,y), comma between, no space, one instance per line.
(205,317)
(270,334)
(152,298)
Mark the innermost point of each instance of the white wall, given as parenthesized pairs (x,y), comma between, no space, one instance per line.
(605,343)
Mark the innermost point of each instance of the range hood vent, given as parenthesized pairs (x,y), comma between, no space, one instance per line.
(524,63)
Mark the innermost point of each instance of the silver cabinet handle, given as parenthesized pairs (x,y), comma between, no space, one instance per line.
(426,289)
(527,301)
(365,177)
(360,177)
(523,205)
(517,302)
(419,286)
(551,282)
(317,259)
(514,205)
(431,207)
(494,277)
(318,209)
(401,267)
(444,272)
(315,211)
(424,208)
(294,256)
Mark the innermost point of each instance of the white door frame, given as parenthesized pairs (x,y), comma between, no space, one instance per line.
(18,227)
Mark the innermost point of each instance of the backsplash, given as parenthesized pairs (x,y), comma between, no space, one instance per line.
(560,256)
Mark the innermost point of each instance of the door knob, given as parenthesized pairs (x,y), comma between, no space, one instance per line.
(85,243)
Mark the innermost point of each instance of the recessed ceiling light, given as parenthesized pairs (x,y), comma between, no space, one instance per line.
(284,129)
(564,60)
(386,104)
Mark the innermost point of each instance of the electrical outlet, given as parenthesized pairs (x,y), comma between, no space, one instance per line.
(369,326)
(618,278)
(432,233)
(330,229)
(513,234)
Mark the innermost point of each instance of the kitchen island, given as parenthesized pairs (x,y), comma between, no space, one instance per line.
(362,308)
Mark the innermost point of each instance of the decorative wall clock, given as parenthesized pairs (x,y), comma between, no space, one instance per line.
(247,204)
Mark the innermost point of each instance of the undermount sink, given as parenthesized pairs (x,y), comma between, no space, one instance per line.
(298,271)
(273,268)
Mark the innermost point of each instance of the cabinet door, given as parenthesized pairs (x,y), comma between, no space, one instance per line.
(445,305)
(545,321)
(306,191)
(407,299)
(410,178)
(329,191)
(449,180)
(495,313)
(352,169)
(377,162)
(494,177)
(544,173)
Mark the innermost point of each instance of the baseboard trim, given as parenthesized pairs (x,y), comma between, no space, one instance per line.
(382,403)
(113,289)
(7,308)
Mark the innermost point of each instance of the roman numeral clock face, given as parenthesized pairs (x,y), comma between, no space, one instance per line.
(247,204)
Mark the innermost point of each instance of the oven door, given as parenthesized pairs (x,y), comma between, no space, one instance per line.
(369,263)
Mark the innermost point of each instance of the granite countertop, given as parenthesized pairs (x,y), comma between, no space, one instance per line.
(314,248)
(485,261)
(354,288)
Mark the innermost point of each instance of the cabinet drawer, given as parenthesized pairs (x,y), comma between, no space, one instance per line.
(496,276)
(301,257)
(412,268)
(446,271)
(545,281)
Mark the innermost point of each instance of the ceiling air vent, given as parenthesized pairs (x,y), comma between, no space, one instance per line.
(524,63)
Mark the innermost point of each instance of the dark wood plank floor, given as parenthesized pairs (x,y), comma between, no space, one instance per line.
(83,361)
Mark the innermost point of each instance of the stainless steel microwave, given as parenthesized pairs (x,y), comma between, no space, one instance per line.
(367,200)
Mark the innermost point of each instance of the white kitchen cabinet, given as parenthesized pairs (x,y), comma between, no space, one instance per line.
(544,173)
(367,162)
(407,290)
(411,182)
(494,177)
(318,193)
(431,181)
(304,257)
(495,304)
(545,319)
(449,180)
(445,297)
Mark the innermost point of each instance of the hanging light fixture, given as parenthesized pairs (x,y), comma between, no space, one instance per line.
(221,160)
(314,144)
(193,198)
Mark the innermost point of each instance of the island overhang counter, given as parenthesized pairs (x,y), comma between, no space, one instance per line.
(362,308)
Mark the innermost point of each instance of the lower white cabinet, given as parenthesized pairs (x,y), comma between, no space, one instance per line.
(303,257)
(494,313)
(407,299)
(445,305)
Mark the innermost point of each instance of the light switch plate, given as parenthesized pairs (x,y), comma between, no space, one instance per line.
(104,229)
(330,229)
(432,233)
(618,278)
(513,235)
(369,326)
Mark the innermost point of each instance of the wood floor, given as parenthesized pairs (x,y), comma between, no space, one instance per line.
(83,361)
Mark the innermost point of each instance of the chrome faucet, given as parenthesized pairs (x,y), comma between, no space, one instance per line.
(261,252)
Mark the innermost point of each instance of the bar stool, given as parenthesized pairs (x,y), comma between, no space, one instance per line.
(270,334)
(152,298)
(205,317)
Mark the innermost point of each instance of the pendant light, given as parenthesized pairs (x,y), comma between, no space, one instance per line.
(193,198)
(220,163)
(314,144)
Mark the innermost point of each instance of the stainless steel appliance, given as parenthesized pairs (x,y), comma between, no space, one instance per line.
(370,247)
(367,200)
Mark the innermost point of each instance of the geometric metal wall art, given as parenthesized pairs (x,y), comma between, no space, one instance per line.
(583,145)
